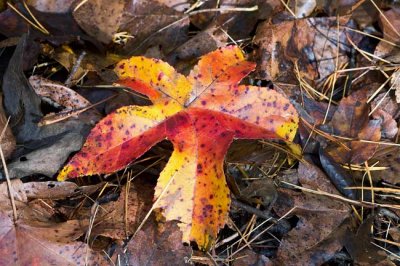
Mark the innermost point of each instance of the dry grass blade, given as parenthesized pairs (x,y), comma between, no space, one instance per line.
(261,233)
(335,73)
(39,26)
(341,198)
(378,189)
(288,8)
(372,36)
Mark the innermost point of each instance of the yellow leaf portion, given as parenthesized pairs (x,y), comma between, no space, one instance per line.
(154,78)
(174,198)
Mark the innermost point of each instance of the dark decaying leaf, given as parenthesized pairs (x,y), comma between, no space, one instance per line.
(321,227)
(248,257)
(386,110)
(156,245)
(62,26)
(23,105)
(139,19)
(360,247)
(351,120)
(120,219)
(322,223)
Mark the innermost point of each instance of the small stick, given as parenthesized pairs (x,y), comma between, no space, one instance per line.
(54,118)
(74,69)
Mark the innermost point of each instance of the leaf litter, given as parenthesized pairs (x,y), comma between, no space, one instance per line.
(133,134)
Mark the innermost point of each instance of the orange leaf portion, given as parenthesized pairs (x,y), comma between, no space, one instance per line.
(200,115)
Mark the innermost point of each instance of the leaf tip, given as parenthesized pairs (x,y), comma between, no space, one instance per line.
(64,173)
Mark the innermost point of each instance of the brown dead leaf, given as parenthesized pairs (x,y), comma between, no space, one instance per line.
(68,58)
(320,229)
(351,120)
(156,245)
(351,115)
(311,43)
(310,176)
(322,222)
(24,244)
(118,219)
(20,197)
(100,19)
(390,24)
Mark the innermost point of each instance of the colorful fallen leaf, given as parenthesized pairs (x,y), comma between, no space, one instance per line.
(200,114)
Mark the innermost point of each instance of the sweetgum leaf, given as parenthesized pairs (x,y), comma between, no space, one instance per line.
(200,115)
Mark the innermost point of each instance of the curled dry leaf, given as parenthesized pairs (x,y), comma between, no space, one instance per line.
(57,93)
(200,114)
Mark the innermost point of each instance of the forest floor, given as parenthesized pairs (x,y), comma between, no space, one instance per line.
(229,132)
